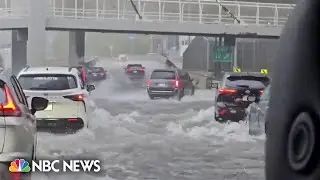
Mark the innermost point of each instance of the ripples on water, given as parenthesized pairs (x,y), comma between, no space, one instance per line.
(140,139)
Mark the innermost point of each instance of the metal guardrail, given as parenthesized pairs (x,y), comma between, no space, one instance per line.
(180,11)
(13,13)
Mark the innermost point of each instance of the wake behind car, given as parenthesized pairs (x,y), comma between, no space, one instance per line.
(256,113)
(237,92)
(17,121)
(135,71)
(68,98)
(97,73)
(170,83)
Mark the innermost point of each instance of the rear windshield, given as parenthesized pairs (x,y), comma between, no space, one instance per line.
(97,69)
(247,81)
(134,66)
(163,75)
(48,82)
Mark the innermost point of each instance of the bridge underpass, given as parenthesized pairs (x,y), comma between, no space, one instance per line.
(204,18)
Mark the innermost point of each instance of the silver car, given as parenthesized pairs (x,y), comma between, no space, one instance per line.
(17,121)
(256,113)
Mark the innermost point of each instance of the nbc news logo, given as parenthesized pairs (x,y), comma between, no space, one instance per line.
(21,165)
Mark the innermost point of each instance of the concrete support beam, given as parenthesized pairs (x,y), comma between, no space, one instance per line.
(37,34)
(19,50)
(76,47)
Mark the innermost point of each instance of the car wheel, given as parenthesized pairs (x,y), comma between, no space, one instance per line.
(33,155)
(151,97)
(177,96)
(192,91)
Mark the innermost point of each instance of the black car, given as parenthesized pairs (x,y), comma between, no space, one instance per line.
(237,92)
(170,83)
(97,73)
(135,71)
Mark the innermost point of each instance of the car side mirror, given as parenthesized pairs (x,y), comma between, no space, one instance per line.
(91,87)
(215,85)
(38,104)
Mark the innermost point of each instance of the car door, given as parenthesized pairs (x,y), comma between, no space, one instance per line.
(27,133)
(183,76)
(263,106)
(188,79)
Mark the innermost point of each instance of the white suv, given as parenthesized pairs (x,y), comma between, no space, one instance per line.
(68,98)
(18,133)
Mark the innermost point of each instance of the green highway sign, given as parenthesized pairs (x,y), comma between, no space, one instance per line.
(223,54)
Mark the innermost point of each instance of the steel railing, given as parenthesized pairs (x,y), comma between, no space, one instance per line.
(178,11)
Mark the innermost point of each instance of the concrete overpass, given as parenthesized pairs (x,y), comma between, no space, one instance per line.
(32,18)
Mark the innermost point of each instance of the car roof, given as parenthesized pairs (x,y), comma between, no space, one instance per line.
(258,74)
(5,76)
(49,70)
(165,70)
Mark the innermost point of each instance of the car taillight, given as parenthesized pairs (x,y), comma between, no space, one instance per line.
(149,83)
(261,91)
(9,108)
(177,84)
(129,70)
(142,70)
(227,91)
(77,97)
(73,119)
(101,74)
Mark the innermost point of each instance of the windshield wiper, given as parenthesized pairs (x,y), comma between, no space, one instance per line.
(244,86)
(38,88)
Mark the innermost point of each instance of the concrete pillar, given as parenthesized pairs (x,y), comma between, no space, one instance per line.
(19,50)
(76,47)
(36,55)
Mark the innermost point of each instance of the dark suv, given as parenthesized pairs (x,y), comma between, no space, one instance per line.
(170,83)
(237,92)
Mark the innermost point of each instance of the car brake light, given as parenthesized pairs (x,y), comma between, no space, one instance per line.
(261,91)
(101,74)
(142,70)
(149,83)
(9,108)
(177,84)
(77,97)
(227,91)
(223,111)
(129,70)
(72,119)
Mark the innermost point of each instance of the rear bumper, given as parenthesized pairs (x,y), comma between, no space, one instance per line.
(162,93)
(62,124)
(97,77)
(234,114)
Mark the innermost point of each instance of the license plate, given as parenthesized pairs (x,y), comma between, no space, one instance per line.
(244,98)
(233,111)
(49,107)
(251,98)
(94,74)
(134,71)
(248,98)
(162,85)
(51,124)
